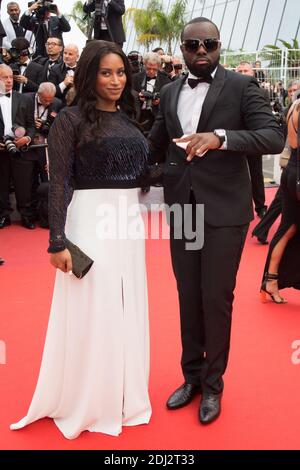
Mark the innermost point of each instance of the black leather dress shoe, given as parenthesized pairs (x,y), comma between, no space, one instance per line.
(1,261)
(4,222)
(183,396)
(262,240)
(210,407)
(27,223)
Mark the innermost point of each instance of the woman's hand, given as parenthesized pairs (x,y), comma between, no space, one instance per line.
(62,260)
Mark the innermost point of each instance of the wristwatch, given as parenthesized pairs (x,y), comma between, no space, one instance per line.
(221,134)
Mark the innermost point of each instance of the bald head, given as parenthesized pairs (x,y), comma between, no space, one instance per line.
(6,78)
(71,55)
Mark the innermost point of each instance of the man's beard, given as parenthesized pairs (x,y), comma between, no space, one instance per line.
(202,71)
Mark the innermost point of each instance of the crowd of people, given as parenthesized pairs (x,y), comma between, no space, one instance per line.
(90,127)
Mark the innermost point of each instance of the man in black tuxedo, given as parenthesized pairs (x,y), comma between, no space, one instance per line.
(42,107)
(54,48)
(108,24)
(43,24)
(27,74)
(224,117)
(62,75)
(13,165)
(151,80)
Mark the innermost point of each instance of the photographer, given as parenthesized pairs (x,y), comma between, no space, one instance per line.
(62,75)
(39,20)
(13,165)
(172,66)
(42,107)
(148,84)
(27,74)
(108,24)
(136,61)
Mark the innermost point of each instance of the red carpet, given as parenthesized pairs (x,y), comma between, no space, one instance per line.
(261,400)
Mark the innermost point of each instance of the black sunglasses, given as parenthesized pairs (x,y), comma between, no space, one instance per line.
(192,45)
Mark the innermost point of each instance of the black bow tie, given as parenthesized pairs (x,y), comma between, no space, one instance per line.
(193,82)
(150,78)
(70,68)
(6,94)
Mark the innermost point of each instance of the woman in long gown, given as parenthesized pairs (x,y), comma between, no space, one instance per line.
(95,365)
(282,267)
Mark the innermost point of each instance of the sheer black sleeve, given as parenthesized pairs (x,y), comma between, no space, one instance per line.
(61,143)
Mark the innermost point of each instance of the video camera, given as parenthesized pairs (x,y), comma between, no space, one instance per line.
(277,111)
(46,125)
(135,60)
(10,145)
(16,53)
(168,67)
(8,141)
(44,6)
(149,97)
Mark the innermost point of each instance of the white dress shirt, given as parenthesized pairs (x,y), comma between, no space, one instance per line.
(6,108)
(190,104)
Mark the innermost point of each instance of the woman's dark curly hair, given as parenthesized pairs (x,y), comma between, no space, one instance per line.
(85,85)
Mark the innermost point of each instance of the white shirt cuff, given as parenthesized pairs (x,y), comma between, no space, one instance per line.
(62,87)
(224,146)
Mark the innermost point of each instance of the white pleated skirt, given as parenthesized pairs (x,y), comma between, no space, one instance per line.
(95,364)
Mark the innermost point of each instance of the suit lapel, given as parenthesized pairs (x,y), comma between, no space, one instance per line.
(14,105)
(174,103)
(211,98)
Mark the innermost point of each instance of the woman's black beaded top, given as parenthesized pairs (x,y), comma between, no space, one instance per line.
(115,159)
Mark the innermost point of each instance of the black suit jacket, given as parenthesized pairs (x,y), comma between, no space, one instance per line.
(138,80)
(57,75)
(220,180)
(33,73)
(44,62)
(113,20)
(57,26)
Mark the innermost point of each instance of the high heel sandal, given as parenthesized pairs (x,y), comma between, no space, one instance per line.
(263,290)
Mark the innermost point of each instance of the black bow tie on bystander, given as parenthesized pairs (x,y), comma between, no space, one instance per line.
(8,95)
(193,82)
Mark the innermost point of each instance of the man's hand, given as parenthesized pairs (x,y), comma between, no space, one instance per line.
(2,147)
(199,144)
(69,80)
(34,6)
(38,123)
(141,97)
(20,79)
(22,141)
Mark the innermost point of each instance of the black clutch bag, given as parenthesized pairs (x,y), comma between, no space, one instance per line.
(81,263)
